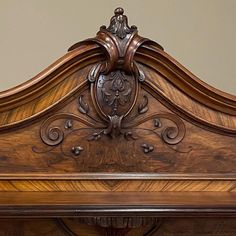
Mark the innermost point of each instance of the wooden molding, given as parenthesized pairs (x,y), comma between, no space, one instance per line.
(118,204)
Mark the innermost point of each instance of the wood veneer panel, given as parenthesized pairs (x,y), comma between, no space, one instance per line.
(117,185)
(183,101)
(200,152)
(180,199)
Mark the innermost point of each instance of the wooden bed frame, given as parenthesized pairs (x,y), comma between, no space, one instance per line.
(117,138)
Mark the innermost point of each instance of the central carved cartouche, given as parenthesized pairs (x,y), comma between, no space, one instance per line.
(115,95)
(116,91)
(115,81)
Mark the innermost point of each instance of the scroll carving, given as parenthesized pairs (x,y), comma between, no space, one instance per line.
(131,130)
(115,86)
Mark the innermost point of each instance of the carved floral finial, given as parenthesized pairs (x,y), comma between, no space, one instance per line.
(119,24)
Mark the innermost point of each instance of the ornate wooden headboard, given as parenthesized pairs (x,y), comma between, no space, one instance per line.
(118,134)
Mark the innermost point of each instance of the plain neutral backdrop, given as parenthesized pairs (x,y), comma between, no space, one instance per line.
(200,34)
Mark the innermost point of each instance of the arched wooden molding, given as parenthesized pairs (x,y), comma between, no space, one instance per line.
(180,89)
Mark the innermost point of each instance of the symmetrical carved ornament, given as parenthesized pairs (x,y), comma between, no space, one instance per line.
(115,93)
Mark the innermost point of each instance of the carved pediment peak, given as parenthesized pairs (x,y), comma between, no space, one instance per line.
(117,63)
(119,24)
(119,40)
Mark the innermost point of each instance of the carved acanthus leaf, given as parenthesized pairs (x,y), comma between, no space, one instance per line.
(143,107)
(119,24)
(83,106)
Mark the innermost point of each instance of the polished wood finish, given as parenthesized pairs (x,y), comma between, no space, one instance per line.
(129,204)
(192,156)
(117,185)
(121,137)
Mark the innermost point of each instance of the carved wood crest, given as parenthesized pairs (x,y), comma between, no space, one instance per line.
(117,105)
(115,85)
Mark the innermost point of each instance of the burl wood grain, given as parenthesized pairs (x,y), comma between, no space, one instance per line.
(199,152)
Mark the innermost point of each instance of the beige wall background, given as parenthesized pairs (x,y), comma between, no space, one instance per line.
(200,34)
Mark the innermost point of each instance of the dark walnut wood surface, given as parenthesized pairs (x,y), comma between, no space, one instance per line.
(120,137)
(195,150)
(128,204)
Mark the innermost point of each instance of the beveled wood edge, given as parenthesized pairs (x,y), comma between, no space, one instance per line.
(156,204)
(118,176)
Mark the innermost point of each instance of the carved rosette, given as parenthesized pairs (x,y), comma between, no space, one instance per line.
(115,94)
